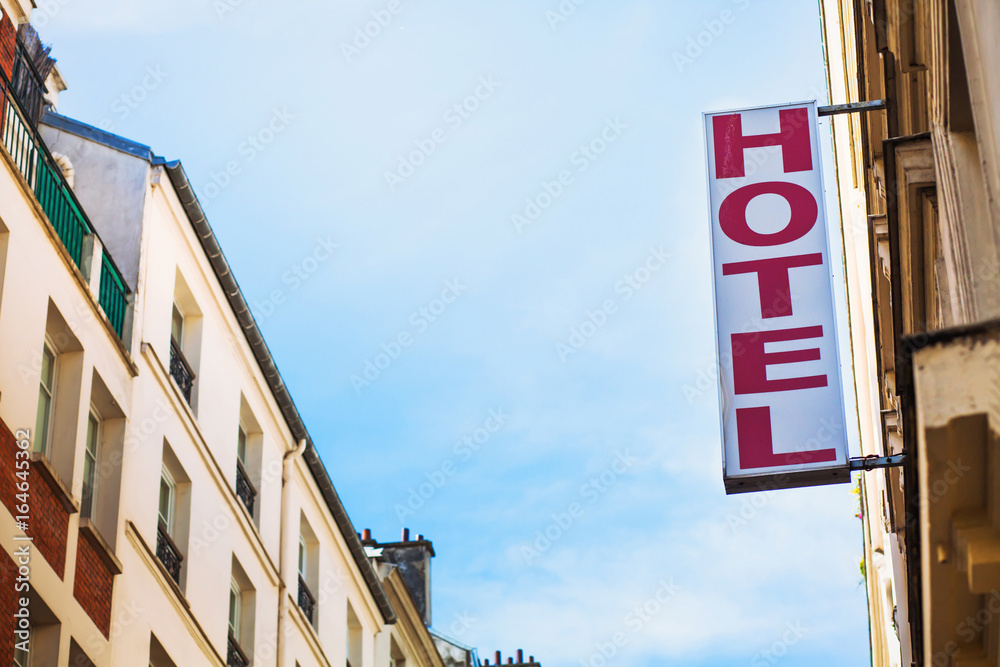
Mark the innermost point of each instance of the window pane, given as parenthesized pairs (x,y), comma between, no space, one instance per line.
(234,611)
(42,420)
(165,500)
(92,432)
(48,367)
(241,446)
(177,327)
(302,558)
(89,467)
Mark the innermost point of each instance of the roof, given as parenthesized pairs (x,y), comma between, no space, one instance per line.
(210,244)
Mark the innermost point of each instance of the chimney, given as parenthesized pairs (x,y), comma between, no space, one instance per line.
(413,560)
(366,535)
(520,656)
(497,658)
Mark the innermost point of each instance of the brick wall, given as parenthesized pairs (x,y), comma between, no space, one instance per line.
(8,604)
(93,583)
(48,518)
(8,39)
(8,450)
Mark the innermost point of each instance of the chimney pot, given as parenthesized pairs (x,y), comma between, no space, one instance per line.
(520,656)
(420,538)
(510,661)
(531,658)
(498,661)
(367,534)
(406,535)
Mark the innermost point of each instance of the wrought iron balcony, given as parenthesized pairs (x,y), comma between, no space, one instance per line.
(27,84)
(181,371)
(168,553)
(20,107)
(307,603)
(235,657)
(244,487)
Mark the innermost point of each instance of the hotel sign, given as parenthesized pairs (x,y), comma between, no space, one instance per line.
(781,400)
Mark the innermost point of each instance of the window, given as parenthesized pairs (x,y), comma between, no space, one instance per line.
(22,655)
(241,445)
(177,327)
(302,557)
(46,395)
(91,457)
(235,606)
(308,566)
(168,493)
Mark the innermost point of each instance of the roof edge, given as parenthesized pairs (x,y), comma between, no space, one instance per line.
(97,135)
(195,213)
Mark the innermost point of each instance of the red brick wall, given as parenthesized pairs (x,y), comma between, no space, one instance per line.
(48,520)
(8,604)
(8,38)
(94,581)
(8,450)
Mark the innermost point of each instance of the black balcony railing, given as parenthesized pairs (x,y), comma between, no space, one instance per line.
(20,107)
(168,553)
(244,487)
(181,371)
(307,603)
(27,84)
(235,657)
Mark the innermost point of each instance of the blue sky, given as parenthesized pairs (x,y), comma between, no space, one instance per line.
(601,447)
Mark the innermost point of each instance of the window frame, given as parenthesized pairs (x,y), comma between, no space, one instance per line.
(43,440)
(179,341)
(25,654)
(235,609)
(303,564)
(96,455)
(241,430)
(168,521)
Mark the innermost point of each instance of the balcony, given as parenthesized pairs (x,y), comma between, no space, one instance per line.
(235,657)
(181,371)
(20,107)
(168,553)
(244,487)
(307,603)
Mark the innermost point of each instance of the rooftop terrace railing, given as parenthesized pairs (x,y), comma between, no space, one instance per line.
(20,136)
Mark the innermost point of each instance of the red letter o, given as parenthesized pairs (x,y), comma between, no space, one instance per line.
(733,213)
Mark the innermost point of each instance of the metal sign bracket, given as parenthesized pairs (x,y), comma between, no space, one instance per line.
(872,462)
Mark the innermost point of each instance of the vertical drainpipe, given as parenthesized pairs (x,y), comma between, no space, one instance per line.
(286,463)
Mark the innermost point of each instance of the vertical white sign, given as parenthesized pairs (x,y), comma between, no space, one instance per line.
(782,407)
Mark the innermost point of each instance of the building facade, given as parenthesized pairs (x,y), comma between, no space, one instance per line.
(162,500)
(919,186)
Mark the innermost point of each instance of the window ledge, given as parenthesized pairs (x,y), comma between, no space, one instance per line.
(104,550)
(51,477)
